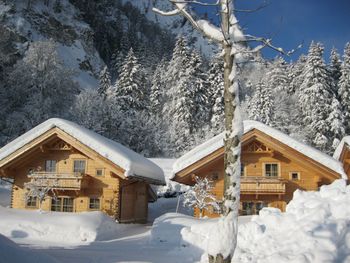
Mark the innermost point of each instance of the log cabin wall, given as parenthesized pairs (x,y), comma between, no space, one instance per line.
(293,174)
(104,187)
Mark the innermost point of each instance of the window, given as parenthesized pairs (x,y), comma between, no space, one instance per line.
(94,203)
(56,204)
(50,166)
(99,172)
(62,204)
(271,169)
(79,166)
(242,169)
(67,205)
(295,176)
(31,202)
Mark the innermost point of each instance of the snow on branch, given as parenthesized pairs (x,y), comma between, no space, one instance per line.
(264,42)
(41,187)
(205,27)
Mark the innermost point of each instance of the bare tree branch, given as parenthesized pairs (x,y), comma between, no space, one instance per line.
(203,26)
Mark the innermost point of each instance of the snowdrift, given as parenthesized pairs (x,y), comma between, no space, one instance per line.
(315,228)
(56,228)
(12,253)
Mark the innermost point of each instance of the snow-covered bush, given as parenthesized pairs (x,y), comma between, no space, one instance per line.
(200,196)
(41,187)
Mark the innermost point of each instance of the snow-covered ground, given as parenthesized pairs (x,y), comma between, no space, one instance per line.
(315,228)
(55,228)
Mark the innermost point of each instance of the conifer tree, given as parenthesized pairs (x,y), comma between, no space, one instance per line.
(130,91)
(315,98)
(261,104)
(295,74)
(335,69)
(336,124)
(277,75)
(105,82)
(344,86)
(216,94)
(198,80)
(157,88)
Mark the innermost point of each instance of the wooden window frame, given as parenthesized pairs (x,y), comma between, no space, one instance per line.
(278,169)
(62,204)
(51,160)
(103,172)
(80,159)
(99,201)
(291,176)
(28,200)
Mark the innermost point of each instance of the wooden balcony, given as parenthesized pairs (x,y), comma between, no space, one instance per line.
(262,185)
(59,181)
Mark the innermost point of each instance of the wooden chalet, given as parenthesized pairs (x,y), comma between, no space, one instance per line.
(342,153)
(273,166)
(91,172)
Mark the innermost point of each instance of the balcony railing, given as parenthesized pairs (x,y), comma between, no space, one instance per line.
(59,181)
(261,184)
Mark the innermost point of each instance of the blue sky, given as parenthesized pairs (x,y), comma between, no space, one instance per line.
(291,22)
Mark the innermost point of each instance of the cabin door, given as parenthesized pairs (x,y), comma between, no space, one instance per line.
(134,203)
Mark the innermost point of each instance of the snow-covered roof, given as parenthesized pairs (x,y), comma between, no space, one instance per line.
(217,142)
(337,152)
(133,163)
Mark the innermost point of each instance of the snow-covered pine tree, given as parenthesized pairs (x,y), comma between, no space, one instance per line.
(277,75)
(261,104)
(179,107)
(157,88)
(216,94)
(344,86)
(295,74)
(200,196)
(130,90)
(315,98)
(105,82)
(335,69)
(198,79)
(336,124)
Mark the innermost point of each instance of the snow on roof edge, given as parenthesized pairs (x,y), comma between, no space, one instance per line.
(217,142)
(339,149)
(133,163)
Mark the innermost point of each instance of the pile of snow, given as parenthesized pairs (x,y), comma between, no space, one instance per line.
(171,189)
(5,194)
(167,205)
(57,228)
(12,253)
(315,228)
(217,142)
(133,163)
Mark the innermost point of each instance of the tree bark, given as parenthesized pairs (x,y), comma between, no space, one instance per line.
(233,126)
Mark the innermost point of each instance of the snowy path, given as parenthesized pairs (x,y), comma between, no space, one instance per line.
(135,247)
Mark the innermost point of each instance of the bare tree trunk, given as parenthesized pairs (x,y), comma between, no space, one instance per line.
(233,126)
